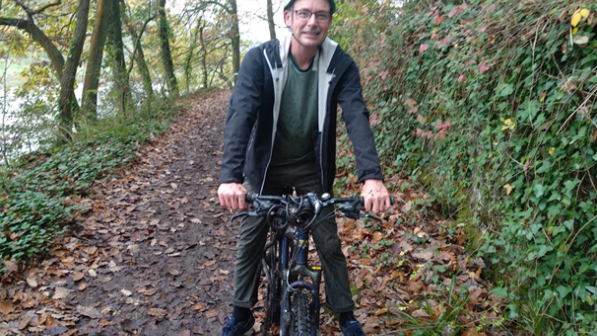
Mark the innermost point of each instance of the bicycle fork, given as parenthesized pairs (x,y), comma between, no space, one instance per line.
(300,270)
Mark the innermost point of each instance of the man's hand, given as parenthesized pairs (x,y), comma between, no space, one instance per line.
(377,197)
(232,196)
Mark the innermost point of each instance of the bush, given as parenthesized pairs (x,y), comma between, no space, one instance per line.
(491,104)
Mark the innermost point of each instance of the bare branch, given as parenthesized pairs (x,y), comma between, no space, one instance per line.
(43,8)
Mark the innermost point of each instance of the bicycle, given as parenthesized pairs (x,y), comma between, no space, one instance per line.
(291,281)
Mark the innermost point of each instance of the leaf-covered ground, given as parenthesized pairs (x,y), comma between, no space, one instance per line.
(154,255)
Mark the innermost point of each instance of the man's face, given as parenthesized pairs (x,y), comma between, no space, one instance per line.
(309,32)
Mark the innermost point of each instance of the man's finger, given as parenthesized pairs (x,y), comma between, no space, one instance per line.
(240,199)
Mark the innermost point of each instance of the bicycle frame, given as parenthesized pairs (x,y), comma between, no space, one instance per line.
(300,269)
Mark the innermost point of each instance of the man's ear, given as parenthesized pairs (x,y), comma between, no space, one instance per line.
(287,18)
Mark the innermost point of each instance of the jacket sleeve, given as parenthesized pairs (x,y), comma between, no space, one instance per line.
(356,118)
(243,109)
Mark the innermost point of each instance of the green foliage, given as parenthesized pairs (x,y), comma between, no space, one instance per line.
(491,104)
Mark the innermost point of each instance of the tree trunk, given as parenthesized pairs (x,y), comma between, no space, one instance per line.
(165,44)
(66,101)
(94,62)
(235,38)
(140,57)
(203,57)
(116,52)
(187,67)
(270,20)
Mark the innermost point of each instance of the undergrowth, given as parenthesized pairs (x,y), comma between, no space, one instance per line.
(39,191)
(491,105)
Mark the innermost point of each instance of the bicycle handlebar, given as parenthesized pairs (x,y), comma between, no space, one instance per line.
(250,198)
(351,207)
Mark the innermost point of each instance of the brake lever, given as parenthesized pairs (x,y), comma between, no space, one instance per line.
(241,214)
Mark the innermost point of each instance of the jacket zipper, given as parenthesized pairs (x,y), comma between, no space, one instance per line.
(271,150)
(329,86)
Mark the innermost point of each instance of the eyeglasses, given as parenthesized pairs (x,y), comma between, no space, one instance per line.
(305,15)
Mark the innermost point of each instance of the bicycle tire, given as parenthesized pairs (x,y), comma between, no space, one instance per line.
(274,289)
(300,325)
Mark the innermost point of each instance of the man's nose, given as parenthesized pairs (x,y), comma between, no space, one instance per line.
(312,20)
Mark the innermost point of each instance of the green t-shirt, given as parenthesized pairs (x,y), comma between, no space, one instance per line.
(298,117)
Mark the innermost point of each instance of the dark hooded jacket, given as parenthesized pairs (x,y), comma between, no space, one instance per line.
(254,107)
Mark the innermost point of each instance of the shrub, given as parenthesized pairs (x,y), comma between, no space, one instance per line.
(491,104)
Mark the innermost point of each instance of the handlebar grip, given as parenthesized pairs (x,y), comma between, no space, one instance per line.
(392,200)
(249,198)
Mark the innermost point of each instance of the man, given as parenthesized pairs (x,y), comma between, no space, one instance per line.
(281,132)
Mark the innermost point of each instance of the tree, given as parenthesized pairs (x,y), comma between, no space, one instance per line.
(165,48)
(139,55)
(116,56)
(56,59)
(234,37)
(67,81)
(94,62)
(270,20)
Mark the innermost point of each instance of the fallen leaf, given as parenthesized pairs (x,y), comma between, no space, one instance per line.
(419,313)
(6,307)
(199,307)
(195,221)
(32,282)
(126,292)
(29,302)
(92,272)
(377,236)
(184,333)
(89,312)
(113,267)
(381,311)
(148,292)
(173,185)
(437,20)
(82,286)
(425,255)
(78,276)
(423,48)
(212,313)
(157,312)
(106,310)
(60,293)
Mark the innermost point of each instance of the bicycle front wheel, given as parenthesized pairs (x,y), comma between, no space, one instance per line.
(274,288)
(299,304)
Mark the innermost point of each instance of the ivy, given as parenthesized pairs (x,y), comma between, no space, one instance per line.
(491,104)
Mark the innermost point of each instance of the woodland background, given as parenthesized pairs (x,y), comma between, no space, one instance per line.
(488,106)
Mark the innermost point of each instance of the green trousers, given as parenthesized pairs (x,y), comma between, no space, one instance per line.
(253,235)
